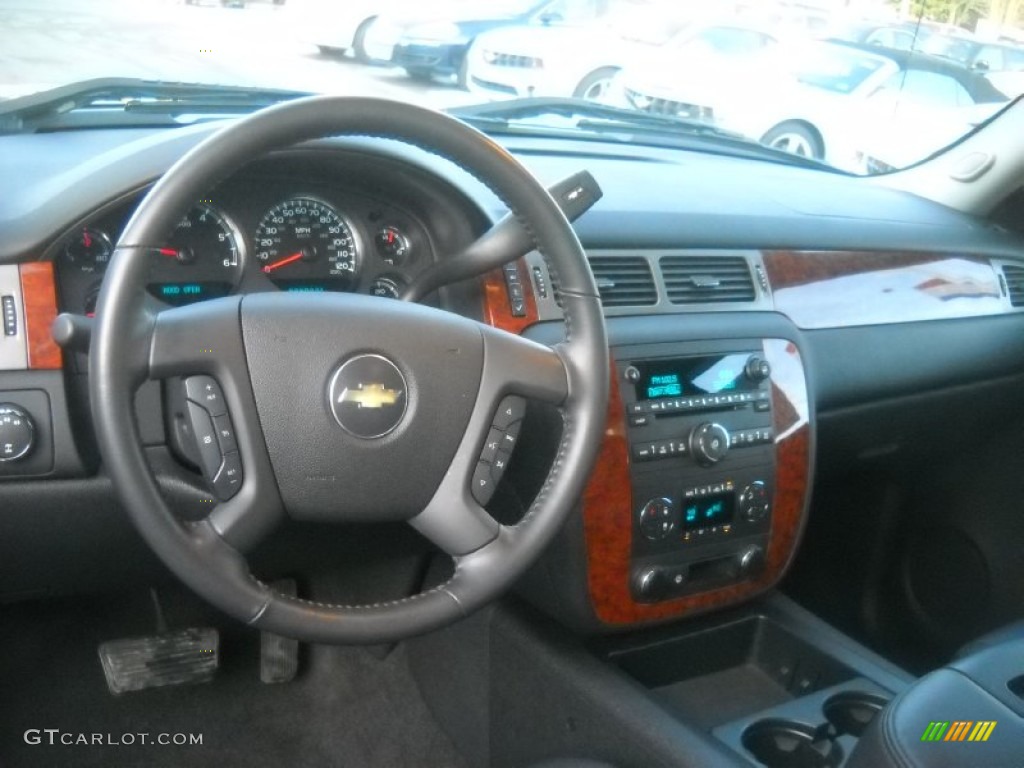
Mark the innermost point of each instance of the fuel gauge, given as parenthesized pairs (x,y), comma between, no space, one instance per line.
(392,245)
(88,250)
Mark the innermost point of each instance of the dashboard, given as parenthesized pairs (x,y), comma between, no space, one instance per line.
(253,234)
(704,480)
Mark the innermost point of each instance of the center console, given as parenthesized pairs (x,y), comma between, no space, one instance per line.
(702,464)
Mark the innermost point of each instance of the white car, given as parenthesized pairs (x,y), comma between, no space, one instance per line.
(365,29)
(803,99)
(565,58)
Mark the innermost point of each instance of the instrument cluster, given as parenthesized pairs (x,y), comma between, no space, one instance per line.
(256,237)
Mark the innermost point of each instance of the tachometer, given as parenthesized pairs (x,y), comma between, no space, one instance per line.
(305,244)
(202,260)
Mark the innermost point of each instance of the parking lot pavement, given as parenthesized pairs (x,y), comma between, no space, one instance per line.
(52,42)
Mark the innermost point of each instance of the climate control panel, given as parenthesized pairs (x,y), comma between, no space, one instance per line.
(702,464)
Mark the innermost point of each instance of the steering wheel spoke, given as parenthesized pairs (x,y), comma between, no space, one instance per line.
(516,365)
(202,344)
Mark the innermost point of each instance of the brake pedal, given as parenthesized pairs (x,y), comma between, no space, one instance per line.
(279,656)
(174,658)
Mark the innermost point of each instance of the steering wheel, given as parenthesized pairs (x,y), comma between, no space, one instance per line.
(284,363)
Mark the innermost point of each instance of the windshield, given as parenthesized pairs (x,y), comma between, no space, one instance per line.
(858,86)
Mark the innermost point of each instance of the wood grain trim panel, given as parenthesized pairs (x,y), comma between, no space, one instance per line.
(832,289)
(497,309)
(608,506)
(39,297)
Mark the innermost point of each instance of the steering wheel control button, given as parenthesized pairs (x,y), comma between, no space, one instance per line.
(483,483)
(368,396)
(511,410)
(17,432)
(492,444)
(206,440)
(499,465)
(227,482)
(225,433)
(205,391)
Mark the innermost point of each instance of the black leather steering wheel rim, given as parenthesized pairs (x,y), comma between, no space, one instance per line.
(131,343)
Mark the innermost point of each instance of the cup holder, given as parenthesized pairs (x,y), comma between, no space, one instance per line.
(850,712)
(789,744)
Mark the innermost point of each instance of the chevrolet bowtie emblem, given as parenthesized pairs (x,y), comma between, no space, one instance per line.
(370,396)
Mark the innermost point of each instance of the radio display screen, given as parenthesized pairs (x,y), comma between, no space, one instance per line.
(687,376)
(708,511)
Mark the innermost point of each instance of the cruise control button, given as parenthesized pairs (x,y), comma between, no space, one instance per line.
(206,391)
(225,433)
(206,439)
(483,483)
(492,444)
(511,410)
(229,479)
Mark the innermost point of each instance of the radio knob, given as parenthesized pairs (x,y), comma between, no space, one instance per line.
(754,501)
(709,443)
(757,368)
(651,584)
(750,560)
(17,432)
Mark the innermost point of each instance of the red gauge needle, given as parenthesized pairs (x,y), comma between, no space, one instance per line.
(282,262)
(169,252)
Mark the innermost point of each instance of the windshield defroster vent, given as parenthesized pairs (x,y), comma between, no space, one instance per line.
(1014,284)
(624,281)
(707,279)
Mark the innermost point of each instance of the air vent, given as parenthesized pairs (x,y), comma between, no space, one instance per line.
(1014,284)
(624,281)
(707,279)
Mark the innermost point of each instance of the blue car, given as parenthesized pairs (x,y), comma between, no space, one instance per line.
(438,48)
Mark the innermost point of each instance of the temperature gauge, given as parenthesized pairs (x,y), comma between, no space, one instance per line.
(88,250)
(386,288)
(392,245)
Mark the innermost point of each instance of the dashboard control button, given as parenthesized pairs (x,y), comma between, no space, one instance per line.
(205,391)
(761,406)
(643,451)
(206,440)
(757,368)
(10,314)
(750,560)
(510,410)
(754,501)
(709,443)
(482,484)
(631,374)
(657,519)
(639,421)
(17,432)
(651,583)
(229,479)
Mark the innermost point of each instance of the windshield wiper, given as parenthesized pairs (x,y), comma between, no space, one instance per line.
(575,118)
(130,102)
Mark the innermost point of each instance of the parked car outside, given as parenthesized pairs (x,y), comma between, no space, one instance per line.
(828,86)
(567,59)
(438,48)
(976,54)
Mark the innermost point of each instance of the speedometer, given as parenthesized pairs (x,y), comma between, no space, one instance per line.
(304,244)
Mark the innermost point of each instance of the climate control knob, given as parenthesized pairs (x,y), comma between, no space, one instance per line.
(753,501)
(656,519)
(17,432)
(709,443)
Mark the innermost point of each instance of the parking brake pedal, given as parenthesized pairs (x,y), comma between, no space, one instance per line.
(279,656)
